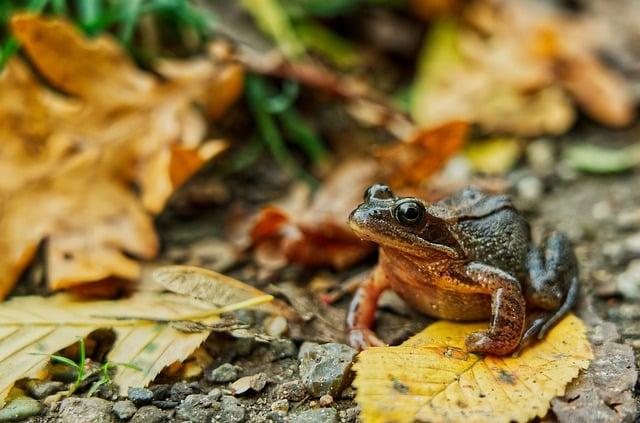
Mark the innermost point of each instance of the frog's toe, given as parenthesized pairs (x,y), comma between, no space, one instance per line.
(361,339)
(484,342)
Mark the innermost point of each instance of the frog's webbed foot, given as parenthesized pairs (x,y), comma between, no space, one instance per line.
(362,338)
(553,282)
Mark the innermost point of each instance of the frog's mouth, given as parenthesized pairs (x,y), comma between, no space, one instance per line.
(374,226)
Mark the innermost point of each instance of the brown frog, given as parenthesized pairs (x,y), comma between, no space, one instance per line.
(467,257)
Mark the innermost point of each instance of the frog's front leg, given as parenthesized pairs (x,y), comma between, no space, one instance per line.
(362,312)
(508,308)
(553,282)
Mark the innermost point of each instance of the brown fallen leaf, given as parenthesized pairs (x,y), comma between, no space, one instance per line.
(87,172)
(515,67)
(315,233)
(409,164)
(431,377)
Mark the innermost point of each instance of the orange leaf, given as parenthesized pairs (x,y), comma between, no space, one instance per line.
(410,163)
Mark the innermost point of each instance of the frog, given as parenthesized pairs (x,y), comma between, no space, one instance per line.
(467,257)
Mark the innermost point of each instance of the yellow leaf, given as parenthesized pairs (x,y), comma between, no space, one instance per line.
(431,377)
(495,155)
(33,327)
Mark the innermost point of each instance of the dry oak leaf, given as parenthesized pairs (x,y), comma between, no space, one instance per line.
(432,378)
(88,171)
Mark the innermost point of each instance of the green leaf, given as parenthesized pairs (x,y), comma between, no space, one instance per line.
(274,21)
(593,159)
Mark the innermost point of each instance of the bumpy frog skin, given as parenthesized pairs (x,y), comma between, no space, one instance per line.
(467,257)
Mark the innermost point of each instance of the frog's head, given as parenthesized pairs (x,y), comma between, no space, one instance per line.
(401,223)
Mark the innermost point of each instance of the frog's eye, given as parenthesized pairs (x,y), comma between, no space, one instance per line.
(409,212)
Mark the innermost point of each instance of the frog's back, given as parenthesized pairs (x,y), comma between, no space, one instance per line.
(489,230)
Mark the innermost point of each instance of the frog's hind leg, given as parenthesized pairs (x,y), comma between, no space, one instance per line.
(553,282)
(570,300)
(539,322)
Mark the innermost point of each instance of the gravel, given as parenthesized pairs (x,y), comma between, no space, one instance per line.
(322,415)
(149,414)
(325,369)
(140,396)
(86,410)
(124,410)
(224,373)
(19,409)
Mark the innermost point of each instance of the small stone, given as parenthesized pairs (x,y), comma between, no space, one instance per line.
(19,409)
(40,389)
(530,189)
(215,394)
(149,414)
(628,282)
(325,400)
(181,390)
(255,382)
(326,368)
(293,391)
(280,405)
(224,373)
(140,396)
(281,349)
(275,417)
(85,410)
(124,410)
(321,415)
(628,220)
(275,326)
(350,415)
(165,404)
(615,252)
(540,155)
(195,408)
(161,392)
(230,411)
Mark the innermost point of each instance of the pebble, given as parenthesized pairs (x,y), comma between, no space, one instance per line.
(230,411)
(325,400)
(196,408)
(321,415)
(149,414)
(628,282)
(40,389)
(284,348)
(124,410)
(255,382)
(226,372)
(293,391)
(161,392)
(540,155)
(350,415)
(280,405)
(325,369)
(180,391)
(628,220)
(140,396)
(85,410)
(615,252)
(275,417)
(275,326)
(19,409)
(530,189)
